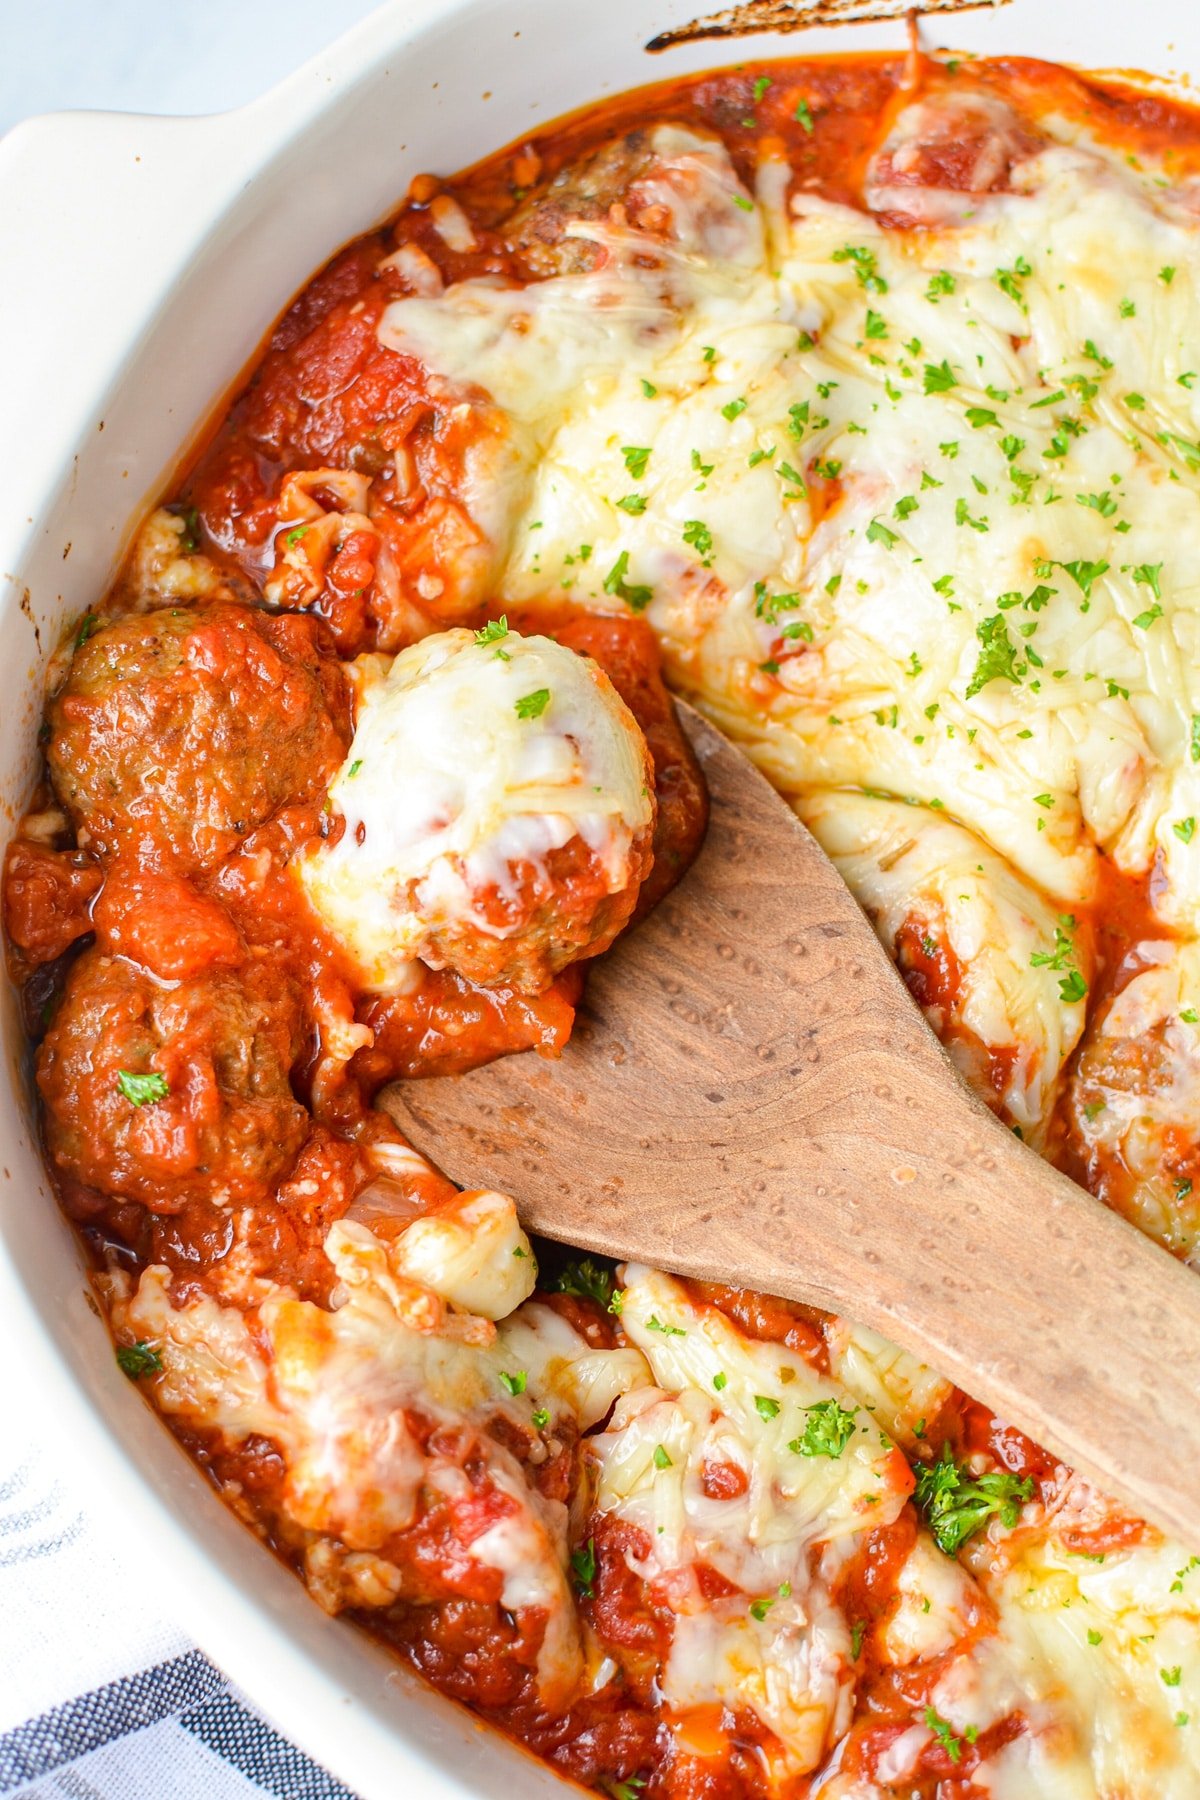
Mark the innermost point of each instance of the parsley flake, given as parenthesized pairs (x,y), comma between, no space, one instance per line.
(136,1360)
(142,1090)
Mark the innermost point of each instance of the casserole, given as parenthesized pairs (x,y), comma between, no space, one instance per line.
(262,242)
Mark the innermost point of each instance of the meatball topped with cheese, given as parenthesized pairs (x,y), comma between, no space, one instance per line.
(178,731)
(496,811)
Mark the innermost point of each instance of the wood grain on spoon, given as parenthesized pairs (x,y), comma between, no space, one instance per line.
(752,1096)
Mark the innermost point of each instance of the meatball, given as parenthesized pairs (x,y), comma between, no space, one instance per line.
(497,815)
(670,183)
(166,1094)
(586,189)
(47,896)
(942,154)
(178,731)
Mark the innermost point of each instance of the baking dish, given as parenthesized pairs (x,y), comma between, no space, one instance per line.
(151,255)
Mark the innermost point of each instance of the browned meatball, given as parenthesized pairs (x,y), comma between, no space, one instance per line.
(586,189)
(166,1094)
(179,731)
(552,913)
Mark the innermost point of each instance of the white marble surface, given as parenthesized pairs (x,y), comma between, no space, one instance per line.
(167,56)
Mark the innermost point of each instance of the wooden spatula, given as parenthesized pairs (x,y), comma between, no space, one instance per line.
(752,1096)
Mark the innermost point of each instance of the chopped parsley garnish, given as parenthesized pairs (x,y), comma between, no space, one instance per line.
(583,1568)
(766,1407)
(720,1381)
(803,115)
(661,1459)
(998,655)
(828,1430)
(636,457)
(878,533)
(540,1417)
(654,1323)
(586,1278)
(1185,829)
(939,378)
(142,1090)
(648,388)
(532,706)
(1147,575)
(513,1384)
(864,267)
(979,416)
(637,598)
(1061,960)
(357,764)
(956,1505)
(760,1608)
(697,534)
(1084,574)
(492,632)
(876,324)
(136,1360)
(633,504)
(88,624)
(944,1732)
(733,408)
(941,283)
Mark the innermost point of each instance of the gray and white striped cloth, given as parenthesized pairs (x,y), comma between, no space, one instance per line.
(100,1698)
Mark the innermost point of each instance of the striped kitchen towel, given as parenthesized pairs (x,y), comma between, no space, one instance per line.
(100,1697)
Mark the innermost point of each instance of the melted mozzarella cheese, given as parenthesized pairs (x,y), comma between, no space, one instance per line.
(1107,1652)
(1021,959)
(1040,469)
(331,1389)
(1136,1094)
(778,1644)
(465,764)
(472,1252)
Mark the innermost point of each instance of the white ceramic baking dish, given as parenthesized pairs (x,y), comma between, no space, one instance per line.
(143,259)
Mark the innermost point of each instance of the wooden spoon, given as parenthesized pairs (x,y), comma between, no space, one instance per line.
(752,1096)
